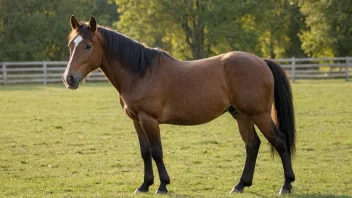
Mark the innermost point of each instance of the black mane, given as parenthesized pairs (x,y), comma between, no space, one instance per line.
(133,56)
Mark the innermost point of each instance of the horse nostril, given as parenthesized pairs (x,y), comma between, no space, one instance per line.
(70,79)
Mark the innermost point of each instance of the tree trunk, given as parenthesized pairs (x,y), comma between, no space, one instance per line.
(193,27)
(271,46)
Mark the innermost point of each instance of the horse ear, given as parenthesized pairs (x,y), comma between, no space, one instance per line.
(74,22)
(92,24)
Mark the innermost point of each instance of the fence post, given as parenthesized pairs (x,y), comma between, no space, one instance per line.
(44,72)
(347,74)
(293,64)
(4,74)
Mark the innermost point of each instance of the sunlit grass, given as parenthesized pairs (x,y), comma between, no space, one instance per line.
(56,143)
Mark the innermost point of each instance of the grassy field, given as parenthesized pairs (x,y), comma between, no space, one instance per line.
(60,143)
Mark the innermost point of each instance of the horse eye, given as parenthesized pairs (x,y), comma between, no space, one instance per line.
(88,46)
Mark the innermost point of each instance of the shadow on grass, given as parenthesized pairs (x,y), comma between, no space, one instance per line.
(318,195)
(303,195)
(172,195)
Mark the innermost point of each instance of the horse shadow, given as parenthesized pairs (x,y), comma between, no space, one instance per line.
(319,195)
(314,195)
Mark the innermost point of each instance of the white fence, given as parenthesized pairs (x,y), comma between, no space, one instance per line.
(51,71)
(317,68)
(39,72)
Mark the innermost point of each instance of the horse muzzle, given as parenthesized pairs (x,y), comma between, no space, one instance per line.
(72,80)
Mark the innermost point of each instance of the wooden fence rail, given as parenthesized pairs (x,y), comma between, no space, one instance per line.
(51,71)
(317,68)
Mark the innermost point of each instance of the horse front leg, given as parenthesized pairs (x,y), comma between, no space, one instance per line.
(152,130)
(147,159)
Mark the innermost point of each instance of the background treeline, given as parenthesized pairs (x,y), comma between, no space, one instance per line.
(188,29)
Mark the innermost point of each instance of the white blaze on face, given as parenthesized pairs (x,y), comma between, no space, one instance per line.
(76,41)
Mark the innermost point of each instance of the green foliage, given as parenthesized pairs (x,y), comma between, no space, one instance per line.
(34,30)
(278,23)
(270,28)
(295,26)
(330,30)
(60,143)
(187,29)
(206,28)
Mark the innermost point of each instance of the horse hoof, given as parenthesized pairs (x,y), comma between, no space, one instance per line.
(284,191)
(235,190)
(159,192)
(139,191)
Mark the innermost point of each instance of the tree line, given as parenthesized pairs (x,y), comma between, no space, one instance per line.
(187,29)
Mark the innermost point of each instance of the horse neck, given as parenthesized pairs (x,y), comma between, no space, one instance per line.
(113,70)
(119,77)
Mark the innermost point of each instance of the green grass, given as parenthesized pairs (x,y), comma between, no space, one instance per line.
(60,143)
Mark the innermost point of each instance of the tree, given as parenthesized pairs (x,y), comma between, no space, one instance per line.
(105,11)
(296,24)
(279,22)
(192,28)
(33,30)
(329,27)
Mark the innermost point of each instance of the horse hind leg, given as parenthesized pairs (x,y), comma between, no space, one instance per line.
(277,139)
(252,143)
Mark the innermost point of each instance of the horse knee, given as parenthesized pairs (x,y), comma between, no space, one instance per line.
(145,153)
(256,143)
(157,153)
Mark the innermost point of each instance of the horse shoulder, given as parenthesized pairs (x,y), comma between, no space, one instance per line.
(148,103)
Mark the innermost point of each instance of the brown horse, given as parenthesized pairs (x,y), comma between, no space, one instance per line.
(156,88)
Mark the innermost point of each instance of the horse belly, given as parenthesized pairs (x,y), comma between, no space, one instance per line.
(194,112)
(197,94)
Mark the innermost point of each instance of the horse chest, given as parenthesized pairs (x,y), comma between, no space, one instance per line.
(128,110)
(131,114)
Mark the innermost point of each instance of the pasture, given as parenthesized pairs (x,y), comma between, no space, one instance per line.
(56,142)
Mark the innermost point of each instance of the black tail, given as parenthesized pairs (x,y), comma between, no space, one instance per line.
(284,105)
